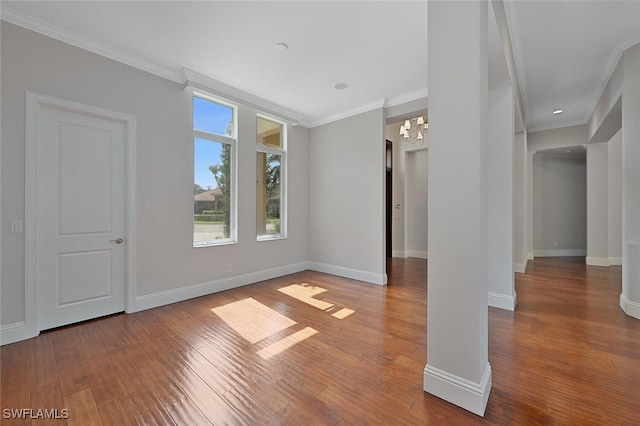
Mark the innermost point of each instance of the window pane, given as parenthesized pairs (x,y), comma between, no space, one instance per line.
(212,181)
(269,133)
(268,192)
(212,117)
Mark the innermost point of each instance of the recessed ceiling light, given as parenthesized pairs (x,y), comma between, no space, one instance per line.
(282,46)
(341,86)
(558,111)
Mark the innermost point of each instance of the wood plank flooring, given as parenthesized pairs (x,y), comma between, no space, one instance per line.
(323,350)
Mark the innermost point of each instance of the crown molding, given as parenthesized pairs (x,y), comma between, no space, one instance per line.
(542,128)
(407,97)
(345,114)
(516,47)
(614,59)
(196,80)
(23,20)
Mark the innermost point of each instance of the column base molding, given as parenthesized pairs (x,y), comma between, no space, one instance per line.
(629,307)
(454,389)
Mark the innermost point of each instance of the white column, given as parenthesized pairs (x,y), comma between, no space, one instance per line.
(457,367)
(597,205)
(500,278)
(630,297)
(520,203)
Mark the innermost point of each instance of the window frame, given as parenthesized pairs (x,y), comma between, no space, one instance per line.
(232,141)
(282,152)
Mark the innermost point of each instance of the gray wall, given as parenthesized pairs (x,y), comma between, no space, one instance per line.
(559,204)
(347,180)
(166,258)
(615,199)
(416,203)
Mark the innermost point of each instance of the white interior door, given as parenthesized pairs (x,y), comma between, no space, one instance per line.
(80,217)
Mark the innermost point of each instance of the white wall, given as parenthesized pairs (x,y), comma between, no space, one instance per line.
(500,278)
(630,297)
(559,204)
(614,213)
(416,203)
(597,205)
(346,183)
(166,259)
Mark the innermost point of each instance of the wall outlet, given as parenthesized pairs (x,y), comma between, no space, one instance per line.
(337,259)
(555,244)
(229,267)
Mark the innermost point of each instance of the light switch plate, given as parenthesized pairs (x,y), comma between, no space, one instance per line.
(16,227)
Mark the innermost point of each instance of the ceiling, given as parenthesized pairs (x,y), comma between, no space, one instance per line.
(563,49)
(565,53)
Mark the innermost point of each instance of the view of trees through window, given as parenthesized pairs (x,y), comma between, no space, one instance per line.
(269,191)
(213,149)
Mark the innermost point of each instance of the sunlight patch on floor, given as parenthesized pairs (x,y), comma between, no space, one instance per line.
(305,293)
(342,313)
(252,320)
(286,342)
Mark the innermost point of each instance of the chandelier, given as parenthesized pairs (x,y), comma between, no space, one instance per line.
(413,130)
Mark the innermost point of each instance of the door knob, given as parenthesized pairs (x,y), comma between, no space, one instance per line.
(118,241)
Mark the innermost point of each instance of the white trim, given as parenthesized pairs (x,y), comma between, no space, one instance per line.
(560,253)
(198,81)
(597,261)
(629,307)
(530,256)
(418,254)
(399,253)
(502,301)
(521,268)
(556,125)
(606,77)
(345,114)
(615,261)
(354,274)
(462,392)
(12,333)
(33,102)
(74,39)
(407,97)
(167,297)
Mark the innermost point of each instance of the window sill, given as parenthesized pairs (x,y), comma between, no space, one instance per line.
(271,237)
(214,243)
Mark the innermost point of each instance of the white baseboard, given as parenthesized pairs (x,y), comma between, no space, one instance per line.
(560,253)
(466,394)
(417,254)
(630,307)
(597,261)
(615,261)
(179,294)
(521,268)
(12,333)
(354,274)
(399,253)
(530,256)
(502,301)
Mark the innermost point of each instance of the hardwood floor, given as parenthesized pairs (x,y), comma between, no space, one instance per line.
(315,349)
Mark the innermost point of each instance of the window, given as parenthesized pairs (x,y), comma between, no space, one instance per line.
(214,148)
(270,179)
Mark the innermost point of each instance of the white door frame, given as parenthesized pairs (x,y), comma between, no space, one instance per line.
(35,102)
